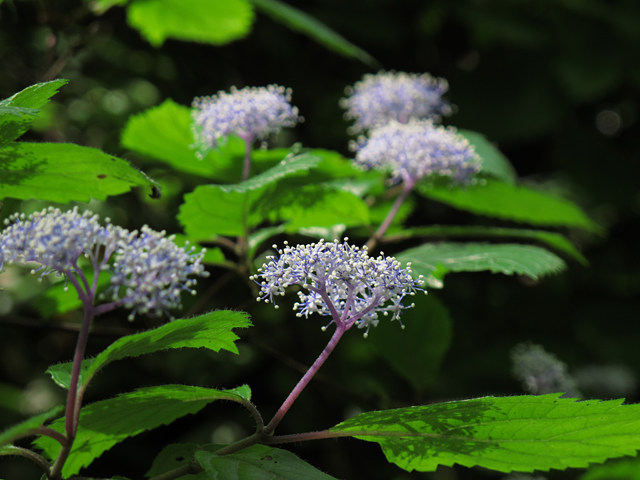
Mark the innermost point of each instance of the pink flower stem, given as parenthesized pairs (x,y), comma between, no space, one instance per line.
(248,140)
(408,186)
(340,329)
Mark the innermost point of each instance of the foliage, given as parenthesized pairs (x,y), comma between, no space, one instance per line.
(470,217)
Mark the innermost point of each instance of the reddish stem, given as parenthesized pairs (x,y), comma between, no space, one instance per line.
(408,186)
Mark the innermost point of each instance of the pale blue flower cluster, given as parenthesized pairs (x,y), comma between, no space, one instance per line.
(56,240)
(149,270)
(339,280)
(418,149)
(379,99)
(250,113)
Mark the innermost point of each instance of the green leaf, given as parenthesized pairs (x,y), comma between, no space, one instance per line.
(258,462)
(512,202)
(523,433)
(493,161)
(434,260)
(306,24)
(551,239)
(18,111)
(206,21)
(61,172)
(624,469)
(24,429)
(176,455)
(416,352)
(285,168)
(212,330)
(56,300)
(137,411)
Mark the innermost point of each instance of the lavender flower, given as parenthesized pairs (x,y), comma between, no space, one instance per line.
(339,280)
(150,271)
(250,113)
(378,99)
(416,150)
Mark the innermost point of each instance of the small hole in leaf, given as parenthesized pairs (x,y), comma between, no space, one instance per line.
(102,175)
(179,459)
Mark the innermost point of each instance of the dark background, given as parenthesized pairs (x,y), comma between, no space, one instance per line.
(554,83)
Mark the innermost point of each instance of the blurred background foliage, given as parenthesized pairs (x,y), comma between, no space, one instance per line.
(556,84)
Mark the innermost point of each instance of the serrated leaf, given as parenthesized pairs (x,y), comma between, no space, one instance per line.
(213,331)
(23,429)
(416,352)
(258,462)
(61,172)
(552,239)
(299,21)
(523,433)
(18,111)
(137,411)
(512,202)
(164,133)
(493,161)
(434,260)
(206,21)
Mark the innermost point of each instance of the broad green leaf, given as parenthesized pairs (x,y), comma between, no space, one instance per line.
(23,429)
(206,21)
(512,202)
(62,172)
(18,111)
(493,161)
(261,236)
(137,411)
(258,462)
(285,168)
(299,21)
(623,469)
(416,352)
(164,133)
(434,260)
(551,239)
(213,331)
(61,372)
(523,433)
(208,212)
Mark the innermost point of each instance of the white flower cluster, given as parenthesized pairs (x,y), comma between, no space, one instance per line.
(418,149)
(339,280)
(149,272)
(250,113)
(378,99)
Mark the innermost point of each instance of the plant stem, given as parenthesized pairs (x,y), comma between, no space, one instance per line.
(31,455)
(248,140)
(340,329)
(408,186)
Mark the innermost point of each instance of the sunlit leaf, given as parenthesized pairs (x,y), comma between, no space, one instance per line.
(524,433)
(62,172)
(434,260)
(512,202)
(137,411)
(205,21)
(493,161)
(213,330)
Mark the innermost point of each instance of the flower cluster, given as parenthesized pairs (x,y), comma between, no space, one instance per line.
(416,150)
(339,280)
(378,99)
(250,113)
(56,240)
(149,270)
